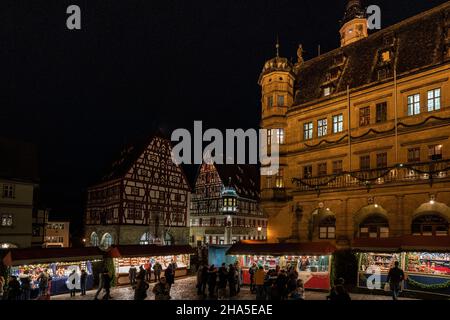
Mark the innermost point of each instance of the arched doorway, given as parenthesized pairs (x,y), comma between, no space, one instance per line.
(94,241)
(107,241)
(374,226)
(429,225)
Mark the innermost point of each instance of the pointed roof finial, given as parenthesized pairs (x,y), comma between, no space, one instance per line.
(277,46)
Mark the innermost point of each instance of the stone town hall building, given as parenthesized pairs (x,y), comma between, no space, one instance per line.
(364,133)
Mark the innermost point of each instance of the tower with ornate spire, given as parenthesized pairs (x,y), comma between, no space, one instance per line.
(354,23)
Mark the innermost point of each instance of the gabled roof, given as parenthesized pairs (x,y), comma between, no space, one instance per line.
(18,160)
(244,178)
(417,42)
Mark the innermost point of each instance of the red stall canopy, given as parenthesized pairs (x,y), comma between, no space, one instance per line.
(403,243)
(148,250)
(17,257)
(281,249)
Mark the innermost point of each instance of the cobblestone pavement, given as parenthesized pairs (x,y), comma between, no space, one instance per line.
(184,289)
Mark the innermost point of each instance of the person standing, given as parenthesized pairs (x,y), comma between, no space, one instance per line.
(83,282)
(204,278)
(43,283)
(168,273)
(141,274)
(238,269)
(140,292)
(252,272)
(157,268)
(281,284)
(162,290)
(199,279)
(25,282)
(132,275)
(148,271)
(13,289)
(212,280)
(394,278)
(259,282)
(232,280)
(223,275)
(339,293)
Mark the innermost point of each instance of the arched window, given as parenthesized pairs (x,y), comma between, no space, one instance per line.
(374,226)
(107,241)
(94,239)
(327,228)
(146,238)
(429,225)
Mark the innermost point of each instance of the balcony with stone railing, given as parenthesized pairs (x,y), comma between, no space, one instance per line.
(402,174)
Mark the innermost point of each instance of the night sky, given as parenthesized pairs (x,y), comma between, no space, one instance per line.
(136,66)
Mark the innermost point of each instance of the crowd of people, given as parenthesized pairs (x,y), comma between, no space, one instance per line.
(140,280)
(19,288)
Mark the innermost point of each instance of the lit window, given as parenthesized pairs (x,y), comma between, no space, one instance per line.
(280,135)
(327,91)
(435,152)
(280,101)
(322,127)
(434,100)
(7,220)
(269,137)
(386,56)
(338,123)
(327,228)
(308,131)
(413,104)
(8,191)
(279,182)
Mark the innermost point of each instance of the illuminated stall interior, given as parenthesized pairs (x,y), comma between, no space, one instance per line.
(311,260)
(139,255)
(59,263)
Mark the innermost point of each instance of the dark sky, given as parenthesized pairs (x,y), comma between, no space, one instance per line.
(138,65)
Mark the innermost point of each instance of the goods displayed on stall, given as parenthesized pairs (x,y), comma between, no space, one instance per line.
(124,264)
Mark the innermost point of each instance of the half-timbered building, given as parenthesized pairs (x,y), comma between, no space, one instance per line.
(142,200)
(225,205)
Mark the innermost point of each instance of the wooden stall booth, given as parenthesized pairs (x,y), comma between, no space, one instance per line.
(313,261)
(125,256)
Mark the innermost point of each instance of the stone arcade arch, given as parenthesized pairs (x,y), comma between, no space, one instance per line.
(431,219)
(371,221)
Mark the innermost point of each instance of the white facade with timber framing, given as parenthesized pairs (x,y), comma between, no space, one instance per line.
(143,200)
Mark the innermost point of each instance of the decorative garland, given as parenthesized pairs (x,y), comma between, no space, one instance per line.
(371,130)
(367,181)
(438,286)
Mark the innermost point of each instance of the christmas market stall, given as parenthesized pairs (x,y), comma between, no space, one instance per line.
(126,256)
(59,263)
(312,260)
(424,259)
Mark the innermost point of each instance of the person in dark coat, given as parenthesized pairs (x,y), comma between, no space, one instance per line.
(83,282)
(281,284)
(140,292)
(204,279)
(13,289)
(338,292)
(232,280)
(132,273)
(394,278)
(168,273)
(25,282)
(212,280)
(223,276)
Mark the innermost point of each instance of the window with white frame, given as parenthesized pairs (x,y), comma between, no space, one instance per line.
(413,104)
(280,135)
(434,100)
(308,131)
(338,123)
(322,127)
